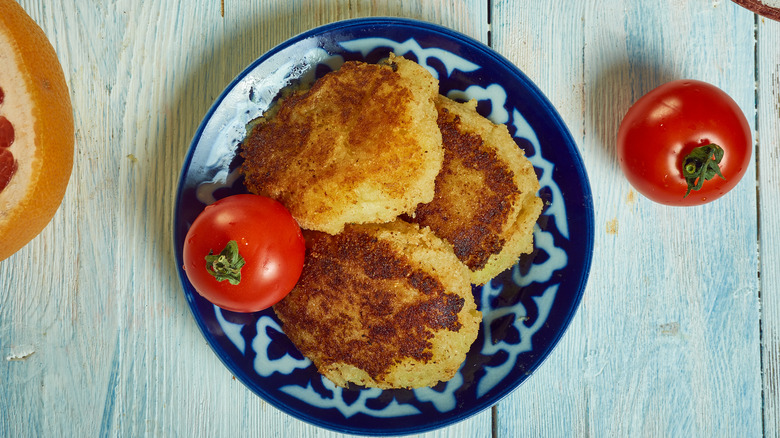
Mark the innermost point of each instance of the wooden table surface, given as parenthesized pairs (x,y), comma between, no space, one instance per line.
(678,333)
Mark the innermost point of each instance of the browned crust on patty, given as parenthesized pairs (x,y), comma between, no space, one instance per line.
(469,213)
(484,204)
(362,302)
(360,146)
(284,142)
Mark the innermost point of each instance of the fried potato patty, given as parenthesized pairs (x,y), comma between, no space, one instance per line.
(385,306)
(360,146)
(485,203)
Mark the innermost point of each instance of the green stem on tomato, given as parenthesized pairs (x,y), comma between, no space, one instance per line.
(227,264)
(702,165)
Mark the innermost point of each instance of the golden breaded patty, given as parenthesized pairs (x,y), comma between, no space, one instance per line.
(360,146)
(385,306)
(485,203)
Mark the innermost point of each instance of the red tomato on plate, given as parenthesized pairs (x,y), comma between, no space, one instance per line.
(244,253)
(684,143)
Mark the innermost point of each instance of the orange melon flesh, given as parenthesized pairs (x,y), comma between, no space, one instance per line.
(36,130)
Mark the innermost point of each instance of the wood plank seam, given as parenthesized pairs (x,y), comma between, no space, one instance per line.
(756,149)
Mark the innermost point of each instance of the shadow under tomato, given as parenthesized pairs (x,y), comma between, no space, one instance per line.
(613,92)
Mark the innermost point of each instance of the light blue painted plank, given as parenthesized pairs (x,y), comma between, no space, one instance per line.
(546,40)
(768,121)
(662,345)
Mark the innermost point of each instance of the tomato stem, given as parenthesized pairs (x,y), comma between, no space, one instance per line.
(702,165)
(227,264)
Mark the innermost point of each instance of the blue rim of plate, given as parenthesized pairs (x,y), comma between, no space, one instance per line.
(526,309)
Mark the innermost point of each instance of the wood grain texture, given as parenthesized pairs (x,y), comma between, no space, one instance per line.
(768,156)
(663,345)
(97,339)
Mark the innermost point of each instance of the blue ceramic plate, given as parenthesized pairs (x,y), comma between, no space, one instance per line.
(526,309)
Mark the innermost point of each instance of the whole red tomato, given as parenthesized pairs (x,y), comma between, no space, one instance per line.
(684,143)
(244,253)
